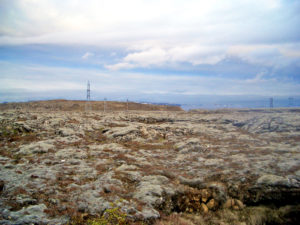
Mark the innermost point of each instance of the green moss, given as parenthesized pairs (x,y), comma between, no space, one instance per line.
(111,216)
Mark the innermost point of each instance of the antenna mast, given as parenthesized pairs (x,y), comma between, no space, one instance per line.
(88,92)
(88,97)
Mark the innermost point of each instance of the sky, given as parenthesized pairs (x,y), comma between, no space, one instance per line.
(158,50)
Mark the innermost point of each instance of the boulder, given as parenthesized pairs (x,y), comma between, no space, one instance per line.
(273,180)
(204,208)
(149,213)
(30,215)
(229,203)
(239,203)
(211,204)
(36,147)
(64,132)
(150,190)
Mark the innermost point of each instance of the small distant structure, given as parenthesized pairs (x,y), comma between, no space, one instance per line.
(291,101)
(271,103)
(127,105)
(88,106)
(104,105)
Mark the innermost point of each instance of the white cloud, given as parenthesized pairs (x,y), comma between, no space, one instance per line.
(197,54)
(159,33)
(157,56)
(120,66)
(258,78)
(290,51)
(40,85)
(87,55)
(52,79)
(154,56)
(274,55)
(94,21)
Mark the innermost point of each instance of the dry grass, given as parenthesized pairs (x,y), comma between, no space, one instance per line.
(11,200)
(101,168)
(111,125)
(73,105)
(174,219)
(135,146)
(73,121)
(123,157)
(95,136)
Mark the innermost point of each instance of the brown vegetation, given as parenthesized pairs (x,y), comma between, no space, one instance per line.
(77,105)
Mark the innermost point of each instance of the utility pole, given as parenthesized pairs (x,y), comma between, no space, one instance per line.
(127,105)
(88,97)
(104,105)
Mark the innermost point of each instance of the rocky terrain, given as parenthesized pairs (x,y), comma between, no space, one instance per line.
(198,167)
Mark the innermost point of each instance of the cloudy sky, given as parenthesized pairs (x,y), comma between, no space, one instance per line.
(140,48)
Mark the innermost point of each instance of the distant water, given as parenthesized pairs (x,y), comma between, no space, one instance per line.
(210,102)
(277,103)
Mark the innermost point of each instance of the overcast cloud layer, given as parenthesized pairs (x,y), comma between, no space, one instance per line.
(141,47)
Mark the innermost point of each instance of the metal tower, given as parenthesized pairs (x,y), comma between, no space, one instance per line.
(88,92)
(88,97)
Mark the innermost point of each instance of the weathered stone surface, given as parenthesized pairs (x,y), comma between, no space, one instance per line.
(239,203)
(126,167)
(29,215)
(91,202)
(204,208)
(229,203)
(195,182)
(81,163)
(64,132)
(150,190)
(219,191)
(25,200)
(37,147)
(122,131)
(149,213)
(192,144)
(274,180)
(211,204)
